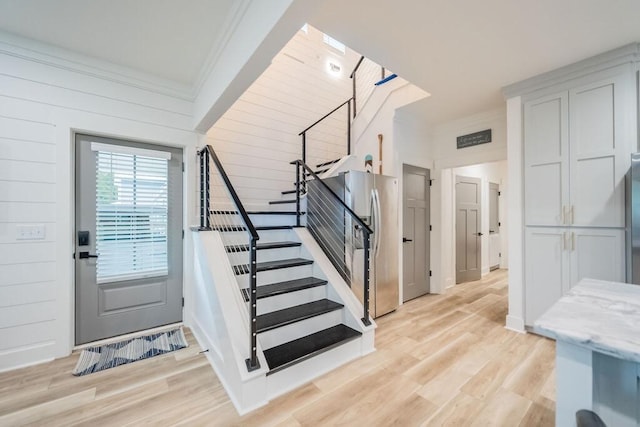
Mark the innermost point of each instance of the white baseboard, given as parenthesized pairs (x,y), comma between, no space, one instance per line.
(515,324)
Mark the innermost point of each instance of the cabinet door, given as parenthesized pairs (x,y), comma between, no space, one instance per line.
(546,160)
(601,130)
(597,254)
(546,269)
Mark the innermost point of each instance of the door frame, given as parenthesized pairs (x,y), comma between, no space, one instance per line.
(68,124)
(405,167)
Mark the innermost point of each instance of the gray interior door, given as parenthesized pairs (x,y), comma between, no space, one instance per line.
(416,243)
(468,259)
(494,226)
(128,239)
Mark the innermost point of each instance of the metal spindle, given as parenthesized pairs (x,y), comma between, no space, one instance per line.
(366,240)
(252,362)
(298,194)
(349,124)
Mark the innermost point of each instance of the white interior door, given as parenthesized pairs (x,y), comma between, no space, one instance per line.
(128,248)
(494,226)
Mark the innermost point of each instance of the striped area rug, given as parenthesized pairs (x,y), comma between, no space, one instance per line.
(99,358)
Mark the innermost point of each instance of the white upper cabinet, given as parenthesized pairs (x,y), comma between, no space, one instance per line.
(577,146)
(546,157)
(599,143)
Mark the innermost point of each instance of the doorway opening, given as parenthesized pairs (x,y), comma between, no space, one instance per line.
(479,212)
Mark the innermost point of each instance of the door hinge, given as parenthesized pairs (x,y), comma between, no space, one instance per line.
(499,193)
(499,224)
(499,255)
(430,227)
(183,234)
(430,182)
(183,170)
(183,301)
(430,273)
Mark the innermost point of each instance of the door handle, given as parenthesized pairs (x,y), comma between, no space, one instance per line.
(404,240)
(85,255)
(479,234)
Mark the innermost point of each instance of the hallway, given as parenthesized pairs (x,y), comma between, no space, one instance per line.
(441,360)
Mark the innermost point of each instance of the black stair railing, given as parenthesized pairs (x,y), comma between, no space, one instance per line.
(222,210)
(337,229)
(351,103)
(304,133)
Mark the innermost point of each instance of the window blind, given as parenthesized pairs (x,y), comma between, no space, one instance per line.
(131,215)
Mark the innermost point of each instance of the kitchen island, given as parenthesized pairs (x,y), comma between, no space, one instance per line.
(596,326)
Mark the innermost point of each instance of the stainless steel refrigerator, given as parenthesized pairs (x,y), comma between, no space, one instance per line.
(633,221)
(374,198)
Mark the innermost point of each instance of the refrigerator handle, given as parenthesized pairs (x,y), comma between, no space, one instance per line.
(375,201)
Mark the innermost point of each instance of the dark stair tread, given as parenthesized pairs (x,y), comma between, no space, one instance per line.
(317,172)
(272,265)
(274,213)
(280,288)
(256,212)
(281,202)
(284,193)
(296,351)
(243,228)
(319,165)
(262,246)
(274,227)
(275,319)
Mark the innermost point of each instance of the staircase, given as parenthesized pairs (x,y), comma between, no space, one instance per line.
(296,318)
(269,307)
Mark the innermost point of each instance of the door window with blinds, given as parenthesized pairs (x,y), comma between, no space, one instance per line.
(131,212)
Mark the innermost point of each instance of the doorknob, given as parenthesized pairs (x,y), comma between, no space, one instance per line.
(479,234)
(404,240)
(85,255)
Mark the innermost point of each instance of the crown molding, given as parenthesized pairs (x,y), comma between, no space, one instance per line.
(53,56)
(220,44)
(623,55)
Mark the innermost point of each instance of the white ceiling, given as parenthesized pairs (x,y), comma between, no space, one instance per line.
(161,37)
(461,51)
(464,51)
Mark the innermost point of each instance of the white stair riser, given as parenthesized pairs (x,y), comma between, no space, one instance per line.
(260,220)
(280,275)
(290,299)
(242,237)
(265,255)
(299,329)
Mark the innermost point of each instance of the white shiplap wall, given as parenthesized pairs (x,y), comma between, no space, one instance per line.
(44,97)
(258,136)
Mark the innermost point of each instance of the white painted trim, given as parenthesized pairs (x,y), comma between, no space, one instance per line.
(515,324)
(229,27)
(53,56)
(625,54)
(515,213)
(123,149)
(68,123)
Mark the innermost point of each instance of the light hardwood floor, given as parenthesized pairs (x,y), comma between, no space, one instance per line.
(441,360)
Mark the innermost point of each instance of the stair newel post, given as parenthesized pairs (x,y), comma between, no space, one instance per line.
(297,194)
(349,124)
(304,147)
(252,362)
(365,299)
(204,189)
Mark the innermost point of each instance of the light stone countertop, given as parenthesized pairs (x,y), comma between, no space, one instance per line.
(603,316)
